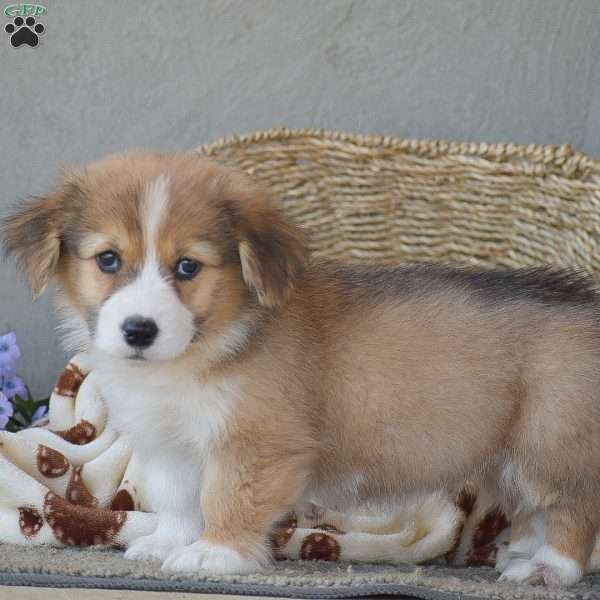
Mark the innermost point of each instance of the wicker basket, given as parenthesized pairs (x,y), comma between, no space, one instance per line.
(391,200)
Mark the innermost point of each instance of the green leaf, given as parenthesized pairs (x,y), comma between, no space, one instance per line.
(18,418)
(13,426)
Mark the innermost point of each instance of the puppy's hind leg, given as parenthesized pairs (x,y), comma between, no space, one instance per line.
(572,532)
(554,446)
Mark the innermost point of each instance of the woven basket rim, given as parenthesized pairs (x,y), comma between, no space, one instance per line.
(572,163)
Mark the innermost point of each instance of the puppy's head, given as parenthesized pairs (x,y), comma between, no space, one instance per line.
(157,253)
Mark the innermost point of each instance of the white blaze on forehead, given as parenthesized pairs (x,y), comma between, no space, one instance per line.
(150,295)
(155,203)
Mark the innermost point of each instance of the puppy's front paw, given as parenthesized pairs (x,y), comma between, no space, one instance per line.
(214,558)
(150,547)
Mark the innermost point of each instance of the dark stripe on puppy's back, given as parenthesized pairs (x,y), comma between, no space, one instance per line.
(546,286)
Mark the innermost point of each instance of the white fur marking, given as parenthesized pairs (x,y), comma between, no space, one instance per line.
(155,202)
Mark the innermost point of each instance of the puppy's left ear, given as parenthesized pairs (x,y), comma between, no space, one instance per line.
(272,250)
(33,235)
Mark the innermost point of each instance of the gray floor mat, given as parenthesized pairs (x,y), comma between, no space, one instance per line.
(94,568)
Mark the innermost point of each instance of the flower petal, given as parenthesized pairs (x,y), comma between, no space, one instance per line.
(6,407)
(14,386)
(39,413)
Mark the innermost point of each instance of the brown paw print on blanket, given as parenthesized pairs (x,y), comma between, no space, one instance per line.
(51,463)
(76,525)
(69,381)
(82,433)
(320,546)
(30,521)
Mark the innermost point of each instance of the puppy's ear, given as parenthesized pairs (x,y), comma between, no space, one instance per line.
(272,250)
(33,234)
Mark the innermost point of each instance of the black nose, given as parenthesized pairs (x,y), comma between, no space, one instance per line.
(139,332)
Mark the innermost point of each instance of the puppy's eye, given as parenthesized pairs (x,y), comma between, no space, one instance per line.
(187,268)
(108,262)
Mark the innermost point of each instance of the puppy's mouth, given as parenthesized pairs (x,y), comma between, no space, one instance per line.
(137,355)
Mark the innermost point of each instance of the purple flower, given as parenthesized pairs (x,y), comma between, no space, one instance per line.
(6,410)
(40,413)
(13,386)
(9,351)
(7,373)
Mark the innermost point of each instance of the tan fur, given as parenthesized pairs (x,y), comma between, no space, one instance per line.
(348,394)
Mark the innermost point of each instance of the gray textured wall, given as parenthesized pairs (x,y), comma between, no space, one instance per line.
(169,75)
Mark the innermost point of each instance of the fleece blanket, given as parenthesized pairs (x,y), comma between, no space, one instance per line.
(74,481)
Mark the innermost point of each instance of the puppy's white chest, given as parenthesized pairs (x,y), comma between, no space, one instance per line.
(168,412)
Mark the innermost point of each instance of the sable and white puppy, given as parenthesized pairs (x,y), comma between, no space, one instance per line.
(252,379)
